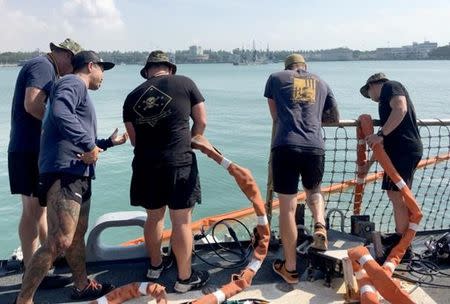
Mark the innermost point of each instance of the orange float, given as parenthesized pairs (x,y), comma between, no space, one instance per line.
(134,290)
(239,282)
(361,160)
(381,276)
(248,186)
(368,293)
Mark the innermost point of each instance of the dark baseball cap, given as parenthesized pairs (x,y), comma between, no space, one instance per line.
(84,57)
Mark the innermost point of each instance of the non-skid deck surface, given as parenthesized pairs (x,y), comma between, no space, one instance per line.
(266,285)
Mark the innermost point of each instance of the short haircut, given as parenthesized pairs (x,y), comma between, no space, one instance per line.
(302,64)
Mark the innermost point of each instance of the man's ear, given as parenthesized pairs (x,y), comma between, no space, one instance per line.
(90,66)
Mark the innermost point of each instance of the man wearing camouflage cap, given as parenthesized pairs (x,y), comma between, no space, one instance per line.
(165,173)
(32,88)
(401,140)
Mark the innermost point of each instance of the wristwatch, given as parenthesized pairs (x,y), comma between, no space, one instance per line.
(380,133)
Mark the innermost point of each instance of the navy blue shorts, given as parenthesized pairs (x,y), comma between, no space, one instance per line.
(406,166)
(154,187)
(23,173)
(71,187)
(289,163)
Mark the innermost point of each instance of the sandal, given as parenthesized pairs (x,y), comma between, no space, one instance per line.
(320,237)
(279,267)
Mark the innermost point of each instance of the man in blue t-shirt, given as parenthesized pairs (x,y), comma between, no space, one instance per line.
(69,151)
(33,86)
(401,140)
(299,102)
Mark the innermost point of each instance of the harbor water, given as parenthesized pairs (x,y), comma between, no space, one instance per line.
(239,125)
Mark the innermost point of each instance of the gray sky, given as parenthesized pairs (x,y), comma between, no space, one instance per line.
(171,25)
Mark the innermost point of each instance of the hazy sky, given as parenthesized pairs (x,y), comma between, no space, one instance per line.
(170,25)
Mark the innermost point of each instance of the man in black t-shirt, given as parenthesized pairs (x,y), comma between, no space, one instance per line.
(400,137)
(156,115)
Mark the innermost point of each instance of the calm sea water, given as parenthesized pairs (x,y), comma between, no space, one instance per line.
(238,124)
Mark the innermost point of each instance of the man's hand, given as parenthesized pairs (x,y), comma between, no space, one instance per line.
(91,157)
(364,169)
(374,139)
(118,139)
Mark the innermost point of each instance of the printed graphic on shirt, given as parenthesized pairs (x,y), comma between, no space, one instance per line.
(304,90)
(151,107)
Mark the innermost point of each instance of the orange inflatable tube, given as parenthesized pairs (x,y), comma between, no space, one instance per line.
(134,290)
(368,293)
(238,282)
(382,281)
(249,187)
(361,160)
(381,276)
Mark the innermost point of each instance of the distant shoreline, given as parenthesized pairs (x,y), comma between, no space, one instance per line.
(8,65)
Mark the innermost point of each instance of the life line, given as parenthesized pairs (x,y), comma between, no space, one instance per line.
(249,187)
(238,282)
(380,279)
(381,276)
(361,160)
(367,291)
(134,290)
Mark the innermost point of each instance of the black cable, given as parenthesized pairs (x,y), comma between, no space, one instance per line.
(243,254)
(420,282)
(422,265)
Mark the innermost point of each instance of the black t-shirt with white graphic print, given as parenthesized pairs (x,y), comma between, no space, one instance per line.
(405,138)
(159,110)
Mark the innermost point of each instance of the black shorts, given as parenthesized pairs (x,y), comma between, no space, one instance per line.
(23,173)
(71,187)
(153,186)
(406,166)
(289,163)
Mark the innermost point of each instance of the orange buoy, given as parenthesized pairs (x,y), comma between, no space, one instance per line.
(134,290)
(381,276)
(239,282)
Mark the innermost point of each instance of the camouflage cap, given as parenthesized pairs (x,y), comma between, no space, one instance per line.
(68,45)
(293,58)
(158,57)
(372,79)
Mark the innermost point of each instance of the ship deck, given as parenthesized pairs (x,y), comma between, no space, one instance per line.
(266,284)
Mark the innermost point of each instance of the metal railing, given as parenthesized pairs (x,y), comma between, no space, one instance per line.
(431,184)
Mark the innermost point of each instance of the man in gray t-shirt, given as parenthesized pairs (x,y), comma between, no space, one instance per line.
(299,102)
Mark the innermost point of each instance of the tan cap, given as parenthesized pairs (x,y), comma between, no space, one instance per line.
(293,58)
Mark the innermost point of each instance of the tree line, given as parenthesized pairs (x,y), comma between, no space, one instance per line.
(221,56)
